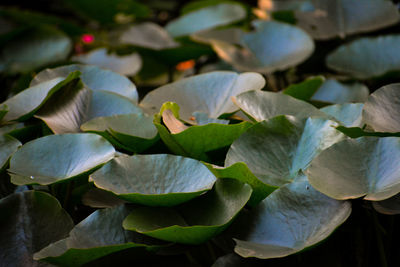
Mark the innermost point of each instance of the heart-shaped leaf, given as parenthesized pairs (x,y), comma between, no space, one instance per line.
(364,167)
(8,145)
(124,65)
(206,18)
(292,218)
(209,93)
(349,115)
(136,132)
(30,221)
(272,46)
(154,180)
(367,57)
(277,151)
(93,77)
(194,222)
(98,235)
(382,109)
(333,91)
(263,105)
(55,158)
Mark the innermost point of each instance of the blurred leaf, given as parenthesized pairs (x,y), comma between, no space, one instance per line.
(306,89)
(348,115)
(333,91)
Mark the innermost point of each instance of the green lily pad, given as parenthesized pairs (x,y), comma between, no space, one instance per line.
(136,132)
(93,77)
(98,235)
(340,18)
(206,18)
(55,158)
(99,198)
(348,114)
(8,146)
(278,150)
(271,47)
(195,141)
(124,65)
(196,221)
(292,218)
(30,221)
(306,89)
(367,57)
(23,105)
(333,91)
(382,109)
(263,105)
(34,48)
(364,167)
(154,180)
(208,93)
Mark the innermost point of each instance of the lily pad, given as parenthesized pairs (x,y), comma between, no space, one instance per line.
(136,132)
(306,89)
(271,47)
(206,18)
(292,218)
(389,206)
(364,167)
(93,77)
(209,93)
(343,17)
(30,221)
(154,180)
(23,105)
(55,158)
(382,109)
(196,221)
(278,150)
(124,65)
(8,146)
(333,91)
(263,105)
(98,235)
(348,114)
(367,57)
(34,48)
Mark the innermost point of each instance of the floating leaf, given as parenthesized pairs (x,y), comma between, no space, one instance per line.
(206,18)
(8,145)
(98,235)
(55,158)
(382,109)
(389,206)
(124,65)
(292,218)
(209,93)
(23,105)
(272,46)
(34,48)
(154,180)
(148,35)
(30,221)
(306,89)
(277,151)
(196,221)
(349,115)
(136,132)
(329,19)
(93,77)
(99,198)
(364,167)
(333,91)
(264,105)
(367,57)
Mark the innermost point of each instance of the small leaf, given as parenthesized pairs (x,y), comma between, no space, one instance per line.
(333,91)
(349,115)
(306,89)
(389,206)
(8,146)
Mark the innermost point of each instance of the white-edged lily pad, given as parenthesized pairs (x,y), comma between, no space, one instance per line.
(366,167)
(206,18)
(367,57)
(208,93)
(278,150)
(263,105)
(292,218)
(124,65)
(333,91)
(194,222)
(348,114)
(55,158)
(93,77)
(154,180)
(382,109)
(272,46)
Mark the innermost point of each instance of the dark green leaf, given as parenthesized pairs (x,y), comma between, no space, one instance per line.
(306,89)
